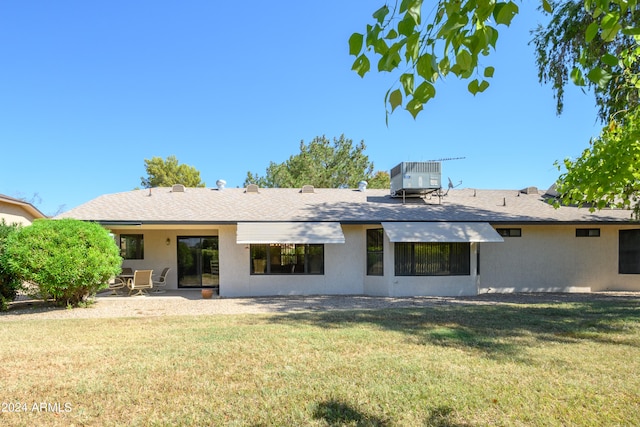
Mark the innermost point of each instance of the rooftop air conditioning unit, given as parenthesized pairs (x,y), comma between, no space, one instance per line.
(409,178)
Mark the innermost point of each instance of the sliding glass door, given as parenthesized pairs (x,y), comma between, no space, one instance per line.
(198,265)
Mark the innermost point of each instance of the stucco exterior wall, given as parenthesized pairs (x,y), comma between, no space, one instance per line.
(550,258)
(399,286)
(433,285)
(547,258)
(158,253)
(342,270)
(13,214)
(617,282)
(375,285)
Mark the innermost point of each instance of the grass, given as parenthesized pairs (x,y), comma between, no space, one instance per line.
(478,365)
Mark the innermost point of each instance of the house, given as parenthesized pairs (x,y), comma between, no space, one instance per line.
(15,211)
(283,241)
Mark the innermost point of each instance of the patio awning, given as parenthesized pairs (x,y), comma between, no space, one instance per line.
(441,232)
(289,232)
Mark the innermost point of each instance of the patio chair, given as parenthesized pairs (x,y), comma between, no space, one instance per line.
(160,282)
(115,285)
(141,282)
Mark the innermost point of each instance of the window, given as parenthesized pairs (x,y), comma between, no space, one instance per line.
(375,252)
(509,232)
(432,259)
(287,259)
(629,252)
(587,232)
(132,246)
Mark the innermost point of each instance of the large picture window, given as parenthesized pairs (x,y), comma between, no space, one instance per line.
(287,259)
(629,252)
(432,259)
(132,246)
(375,252)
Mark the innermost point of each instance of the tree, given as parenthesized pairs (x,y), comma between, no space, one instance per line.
(161,173)
(69,260)
(381,179)
(569,47)
(593,43)
(323,164)
(603,45)
(608,172)
(9,283)
(458,32)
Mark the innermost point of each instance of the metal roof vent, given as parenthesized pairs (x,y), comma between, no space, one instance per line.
(552,191)
(307,189)
(177,188)
(252,188)
(529,190)
(362,186)
(220,184)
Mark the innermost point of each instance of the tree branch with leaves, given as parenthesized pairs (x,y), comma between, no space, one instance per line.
(592,43)
(607,174)
(450,41)
(590,49)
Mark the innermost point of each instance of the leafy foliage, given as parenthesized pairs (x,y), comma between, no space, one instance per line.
(161,173)
(585,40)
(593,43)
(576,46)
(608,172)
(9,283)
(381,179)
(69,260)
(323,164)
(455,35)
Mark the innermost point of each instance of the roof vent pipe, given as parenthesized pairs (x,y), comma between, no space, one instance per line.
(362,186)
(220,184)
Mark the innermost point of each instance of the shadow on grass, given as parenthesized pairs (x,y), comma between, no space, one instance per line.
(497,331)
(338,413)
(441,417)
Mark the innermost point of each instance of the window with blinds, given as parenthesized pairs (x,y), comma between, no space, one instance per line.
(432,259)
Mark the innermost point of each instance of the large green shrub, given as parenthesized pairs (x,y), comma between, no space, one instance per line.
(69,260)
(9,283)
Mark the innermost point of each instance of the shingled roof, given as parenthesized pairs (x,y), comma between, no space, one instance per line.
(213,206)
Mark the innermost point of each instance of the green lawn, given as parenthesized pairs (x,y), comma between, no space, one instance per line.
(477,365)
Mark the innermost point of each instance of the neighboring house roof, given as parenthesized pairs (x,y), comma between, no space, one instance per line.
(211,206)
(12,209)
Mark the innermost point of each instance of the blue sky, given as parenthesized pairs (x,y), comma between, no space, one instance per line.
(88,90)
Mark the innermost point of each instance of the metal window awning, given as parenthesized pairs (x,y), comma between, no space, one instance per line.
(289,232)
(441,232)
